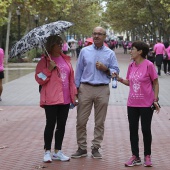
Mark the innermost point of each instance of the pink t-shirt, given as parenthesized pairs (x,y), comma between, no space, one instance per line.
(65,74)
(65,47)
(1,59)
(159,48)
(168,52)
(140,78)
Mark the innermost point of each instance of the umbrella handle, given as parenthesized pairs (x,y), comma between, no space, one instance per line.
(46,52)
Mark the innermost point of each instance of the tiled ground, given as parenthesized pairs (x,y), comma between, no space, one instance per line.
(21,132)
(22,124)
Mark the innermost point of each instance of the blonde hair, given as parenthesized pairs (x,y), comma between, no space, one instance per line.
(51,41)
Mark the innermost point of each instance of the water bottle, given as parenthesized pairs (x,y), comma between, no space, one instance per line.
(114,82)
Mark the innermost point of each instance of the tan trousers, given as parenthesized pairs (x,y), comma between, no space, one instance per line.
(89,96)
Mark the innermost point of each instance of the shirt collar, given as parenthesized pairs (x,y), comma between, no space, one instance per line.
(100,48)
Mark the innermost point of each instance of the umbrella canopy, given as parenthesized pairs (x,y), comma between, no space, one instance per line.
(90,41)
(72,40)
(38,36)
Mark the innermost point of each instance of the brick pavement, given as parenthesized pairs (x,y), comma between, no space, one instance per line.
(22,124)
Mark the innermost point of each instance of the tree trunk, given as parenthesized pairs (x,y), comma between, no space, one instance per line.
(7,37)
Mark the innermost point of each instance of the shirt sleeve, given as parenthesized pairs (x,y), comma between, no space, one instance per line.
(79,69)
(152,71)
(113,66)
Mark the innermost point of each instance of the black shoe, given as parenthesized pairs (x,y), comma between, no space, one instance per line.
(79,153)
(96,154)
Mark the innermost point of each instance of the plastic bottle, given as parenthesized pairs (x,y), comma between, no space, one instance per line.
(114,82)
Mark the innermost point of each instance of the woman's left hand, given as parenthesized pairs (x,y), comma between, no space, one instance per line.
(157,107)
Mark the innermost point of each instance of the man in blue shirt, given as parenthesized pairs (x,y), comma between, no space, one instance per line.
(94,66)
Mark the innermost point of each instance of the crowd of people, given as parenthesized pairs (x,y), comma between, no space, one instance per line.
(159,53)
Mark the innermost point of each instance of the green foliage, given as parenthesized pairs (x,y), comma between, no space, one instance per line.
(127,15)
(3,11)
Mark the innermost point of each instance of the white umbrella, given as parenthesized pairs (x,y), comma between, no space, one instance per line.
(72,40)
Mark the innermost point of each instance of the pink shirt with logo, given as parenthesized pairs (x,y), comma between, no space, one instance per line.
(1,59)
(159,48)
(140,78)
(65,74)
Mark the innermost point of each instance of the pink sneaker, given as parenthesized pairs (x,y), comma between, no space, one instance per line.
(147,161)
(133,161)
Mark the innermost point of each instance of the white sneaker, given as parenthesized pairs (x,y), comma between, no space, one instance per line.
(47,157)
(60,156)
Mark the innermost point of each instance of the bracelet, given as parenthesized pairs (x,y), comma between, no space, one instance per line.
(121,80)
(156,100)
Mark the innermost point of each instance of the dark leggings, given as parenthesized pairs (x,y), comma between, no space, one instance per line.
(55,114)
(145,113)
(165,63)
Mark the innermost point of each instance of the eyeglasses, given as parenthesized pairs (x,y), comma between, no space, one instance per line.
(98,33)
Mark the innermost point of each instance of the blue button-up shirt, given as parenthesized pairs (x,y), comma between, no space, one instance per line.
(86,70)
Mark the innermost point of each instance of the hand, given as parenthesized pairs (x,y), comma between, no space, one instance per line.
(76,101)
(115,75)
(52,65)
(101,66)
(157,107)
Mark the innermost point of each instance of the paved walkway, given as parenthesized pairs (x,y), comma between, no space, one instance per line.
(22,124)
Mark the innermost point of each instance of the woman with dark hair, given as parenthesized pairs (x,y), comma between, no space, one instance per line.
(151,54)
(142,80)
(55,73)
(159,50)
(166,61)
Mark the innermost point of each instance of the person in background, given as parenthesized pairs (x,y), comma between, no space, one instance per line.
(73,49)
(65,47)
(166,61)
(151,54)
(125,46)
(1,70)
(55,73)
(95,64)
(142,80)
(159,50)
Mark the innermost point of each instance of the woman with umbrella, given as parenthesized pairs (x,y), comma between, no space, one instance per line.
(55,73)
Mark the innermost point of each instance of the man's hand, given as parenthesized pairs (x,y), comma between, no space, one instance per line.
(101,66)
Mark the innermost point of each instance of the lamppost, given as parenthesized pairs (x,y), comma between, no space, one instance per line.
(36,18)
(19,16)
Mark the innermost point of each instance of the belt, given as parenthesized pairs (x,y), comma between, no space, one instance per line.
(94,84)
